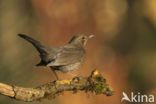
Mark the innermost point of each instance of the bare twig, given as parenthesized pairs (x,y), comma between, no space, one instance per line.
(94,83)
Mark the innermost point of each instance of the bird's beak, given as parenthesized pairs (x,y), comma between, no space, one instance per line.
(90,36)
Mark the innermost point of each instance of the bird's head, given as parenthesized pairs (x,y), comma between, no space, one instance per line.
(80,40)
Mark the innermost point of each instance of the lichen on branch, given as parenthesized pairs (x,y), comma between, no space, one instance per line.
(95,83)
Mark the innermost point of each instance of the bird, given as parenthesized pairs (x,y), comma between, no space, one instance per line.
(63,58)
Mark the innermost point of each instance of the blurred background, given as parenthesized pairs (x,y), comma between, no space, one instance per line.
(123,49)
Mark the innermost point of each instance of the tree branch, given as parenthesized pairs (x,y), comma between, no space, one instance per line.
(95,83)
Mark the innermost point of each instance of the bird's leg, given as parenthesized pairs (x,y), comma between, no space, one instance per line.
(55,74)
(74,74)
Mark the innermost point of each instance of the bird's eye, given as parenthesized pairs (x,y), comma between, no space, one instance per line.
(83,38)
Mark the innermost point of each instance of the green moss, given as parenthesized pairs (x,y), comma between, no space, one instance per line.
(99,78)
(98,88)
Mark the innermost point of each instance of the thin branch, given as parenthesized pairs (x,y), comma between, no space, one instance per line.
(95,83)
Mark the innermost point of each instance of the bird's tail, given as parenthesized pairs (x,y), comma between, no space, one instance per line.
(34,42)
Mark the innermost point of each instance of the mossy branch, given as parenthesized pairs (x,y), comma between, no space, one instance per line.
(95,83)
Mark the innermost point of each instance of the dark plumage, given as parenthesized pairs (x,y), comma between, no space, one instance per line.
(65,58)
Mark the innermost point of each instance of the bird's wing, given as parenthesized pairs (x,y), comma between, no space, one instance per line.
(68,56)
(49,54)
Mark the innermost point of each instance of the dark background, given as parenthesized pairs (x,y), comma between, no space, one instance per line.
(123,49)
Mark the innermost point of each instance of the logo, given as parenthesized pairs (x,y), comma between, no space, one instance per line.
(137,97)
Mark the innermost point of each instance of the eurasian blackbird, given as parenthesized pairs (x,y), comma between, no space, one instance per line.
(65,58)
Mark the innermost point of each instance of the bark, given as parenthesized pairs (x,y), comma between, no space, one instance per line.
(95,83)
